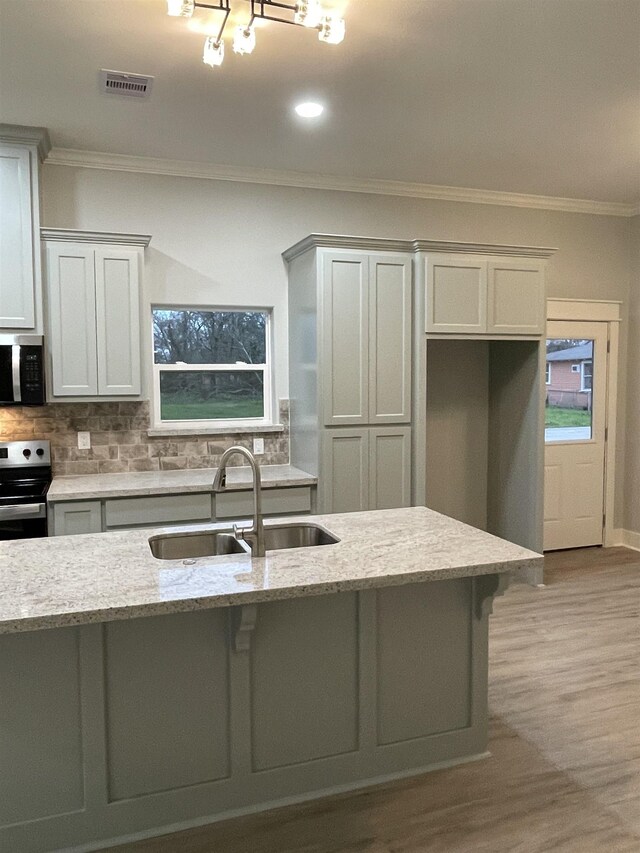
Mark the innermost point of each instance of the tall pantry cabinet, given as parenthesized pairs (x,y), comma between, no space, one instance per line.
(350,328)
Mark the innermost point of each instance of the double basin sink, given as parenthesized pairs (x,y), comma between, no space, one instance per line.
(216,543)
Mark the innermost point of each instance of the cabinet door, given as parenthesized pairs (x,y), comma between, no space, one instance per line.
(345,339)
(72,317)
(389,467)
(76,517)
(390,339)
(17,307)
(456,298)
(117,320)
(344,482)
(516,304)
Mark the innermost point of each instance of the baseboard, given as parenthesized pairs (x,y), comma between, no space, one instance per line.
(627,538)
(296,799)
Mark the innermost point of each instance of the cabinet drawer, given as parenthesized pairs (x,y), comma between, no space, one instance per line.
(161,509)
(274,502)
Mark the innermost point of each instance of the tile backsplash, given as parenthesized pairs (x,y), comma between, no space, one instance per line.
(120,441)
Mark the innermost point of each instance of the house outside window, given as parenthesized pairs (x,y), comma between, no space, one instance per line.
(586,376)
(211,367)
(547,377)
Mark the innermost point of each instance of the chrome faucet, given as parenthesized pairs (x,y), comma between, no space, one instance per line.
(254,535)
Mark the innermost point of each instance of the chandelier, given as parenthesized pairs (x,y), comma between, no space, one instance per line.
(304,13)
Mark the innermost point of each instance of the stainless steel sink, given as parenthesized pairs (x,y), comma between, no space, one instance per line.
(280,536)
(216,543)
(181,546)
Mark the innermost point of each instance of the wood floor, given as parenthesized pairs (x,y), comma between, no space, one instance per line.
(564,774)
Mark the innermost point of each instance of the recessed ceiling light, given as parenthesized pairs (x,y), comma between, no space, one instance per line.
(309,109)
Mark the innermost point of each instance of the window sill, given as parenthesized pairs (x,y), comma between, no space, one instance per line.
(226,430)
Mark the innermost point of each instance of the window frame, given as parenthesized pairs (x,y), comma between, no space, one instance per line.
(215,425)
(547,374)
(576,368)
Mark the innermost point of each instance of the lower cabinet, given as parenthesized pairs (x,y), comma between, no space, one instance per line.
(72,517)
(366,469)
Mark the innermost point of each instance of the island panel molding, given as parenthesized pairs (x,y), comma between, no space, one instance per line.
(127,742)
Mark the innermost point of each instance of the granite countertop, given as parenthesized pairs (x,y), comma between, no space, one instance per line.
(101,577)
(139,483)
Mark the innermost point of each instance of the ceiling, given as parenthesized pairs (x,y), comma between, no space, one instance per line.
(527,96)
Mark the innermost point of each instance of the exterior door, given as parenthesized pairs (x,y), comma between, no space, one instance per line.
(575,420)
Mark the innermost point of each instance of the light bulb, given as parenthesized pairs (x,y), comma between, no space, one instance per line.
(308,13)
(332,30)
(244,40)
(213,52)
(309,109)
(180,8)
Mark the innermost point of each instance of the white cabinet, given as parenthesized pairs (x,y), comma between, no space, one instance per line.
(366,338)
(21,149)
(93,300)
(478,296)
(366,469)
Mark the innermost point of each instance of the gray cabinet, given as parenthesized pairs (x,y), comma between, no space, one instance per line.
(366,340)
(350,372)
(366,469)
(93,299)
(73,517)
(95,516)
(478,296)
(21,149)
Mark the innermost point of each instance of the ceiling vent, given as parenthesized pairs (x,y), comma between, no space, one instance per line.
(121,83)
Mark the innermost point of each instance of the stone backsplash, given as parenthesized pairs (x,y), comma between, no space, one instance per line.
(120,441)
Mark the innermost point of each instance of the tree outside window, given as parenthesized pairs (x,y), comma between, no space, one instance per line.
(211,366)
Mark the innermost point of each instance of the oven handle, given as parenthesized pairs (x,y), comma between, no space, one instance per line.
(25,511)
(15,373)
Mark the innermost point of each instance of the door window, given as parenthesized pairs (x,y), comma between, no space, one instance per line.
(569,390)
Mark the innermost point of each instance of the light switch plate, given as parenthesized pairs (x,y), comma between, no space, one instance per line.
(84,441)
(258,446)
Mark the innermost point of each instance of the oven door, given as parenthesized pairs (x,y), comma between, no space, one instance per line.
(23,521)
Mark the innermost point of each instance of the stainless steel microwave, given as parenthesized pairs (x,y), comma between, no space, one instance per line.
(21,370)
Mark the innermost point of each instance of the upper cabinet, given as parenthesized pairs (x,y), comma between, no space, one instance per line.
(93,308)
(21,151)
(472,295)
(366,338)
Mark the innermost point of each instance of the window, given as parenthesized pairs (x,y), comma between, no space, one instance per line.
(575,368)
(547,377)
(211,367)
(586,377)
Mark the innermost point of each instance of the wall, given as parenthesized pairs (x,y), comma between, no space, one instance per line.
(631,520)
(119,439)
(219,243)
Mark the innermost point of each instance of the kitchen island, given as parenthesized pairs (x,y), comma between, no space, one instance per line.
(140,695)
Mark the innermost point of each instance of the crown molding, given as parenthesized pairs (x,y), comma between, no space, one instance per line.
(20,134)
(374,186)
(383,244)
(70,235)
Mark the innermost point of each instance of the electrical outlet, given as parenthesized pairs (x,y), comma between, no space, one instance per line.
(84,441)
(258,446)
